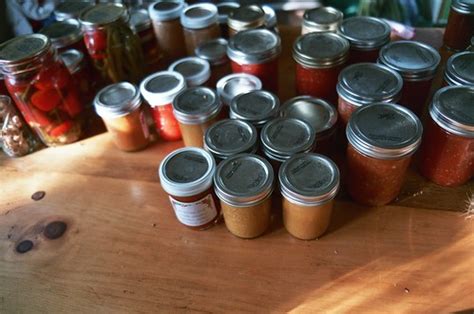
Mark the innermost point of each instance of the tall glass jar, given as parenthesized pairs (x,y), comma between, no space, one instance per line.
(460,69)
(224,9)
(42,88)
(244,18)
(215,52)
(257,107)
(322,19)
(196,71)
(70,9)
(65,35)
(460,27)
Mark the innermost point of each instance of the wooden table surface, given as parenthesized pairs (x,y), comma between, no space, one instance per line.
(124,251)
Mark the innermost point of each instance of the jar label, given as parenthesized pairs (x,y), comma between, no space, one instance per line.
(197,213)
(146,131)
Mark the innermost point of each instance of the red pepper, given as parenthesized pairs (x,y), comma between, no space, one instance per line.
(96,43)
(61,128)
(72,105)
(46,100)
(34,116)
(56,76)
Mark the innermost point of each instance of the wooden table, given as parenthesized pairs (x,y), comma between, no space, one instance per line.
(124,251)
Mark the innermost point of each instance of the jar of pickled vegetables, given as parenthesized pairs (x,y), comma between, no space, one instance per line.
(65,35)
(460,69)
(257,107)
(196,71)
(223,10)
(322,19)
(232,85)
(215,52)
(460,27)
(82,74)
(70,9)
(42,88)
(244,18)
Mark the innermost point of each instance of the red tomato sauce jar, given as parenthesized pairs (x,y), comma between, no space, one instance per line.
(460,27)
(186,176)
(319,59)
(159,90)
(447,152)
(256,107)
(65,35)
(382,139)
(196,71)
(417,64)
(460,69)
(322,19)
(215,52)
(256,52)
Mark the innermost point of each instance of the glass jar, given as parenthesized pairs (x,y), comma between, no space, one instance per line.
(82,74)
(215,52)
(113,47)
(460,27)
(65,35)
(224,9)
(447,151)
(233,85)
(244,184)
(186,176)
(320,114)
(417,64)
(319,59)
(230,137)
(3,87)
(460,69)
(200,24)
(366,35)
(322,19)
(382,139)
(70,9)
(244,18)
(271,22)
(308,184)
(165,16)
(257,107)
(195,71)
(42,88)
(256,52)
(366,83)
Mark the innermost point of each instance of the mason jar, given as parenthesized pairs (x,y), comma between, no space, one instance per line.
(460,69)
(70,9)
(322,19)
(244,18)
(196,71)
(224,9)
(215,52)
(82,73)
(233,85)
(65,35)
(256,107)
(460,27)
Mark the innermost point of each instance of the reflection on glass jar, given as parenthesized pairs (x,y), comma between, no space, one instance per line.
(460,27)
(257,107)
(215,52)
(271,22)
(460,69)
(322,19)
(196,71)
(244,18)
(232,85)
(65,35)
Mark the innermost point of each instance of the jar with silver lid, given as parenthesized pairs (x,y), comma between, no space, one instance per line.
(70,9)
(65,35)
(460,69)
(215,52)
(308,183)
(230,137)
(382,139)
(224,9)
(460,27)
(244,185)
(196,71)
(257,107)
(233,85)
(244,18)
(320,114)
(322,19)
(447,151)
(271,21)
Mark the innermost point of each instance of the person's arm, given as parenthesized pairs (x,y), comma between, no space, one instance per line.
(33,10)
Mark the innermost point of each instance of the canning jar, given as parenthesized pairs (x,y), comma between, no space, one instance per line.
(65,35)
(382,139)
(447,151)
(366,83)
(82,75)
(366,36)
(244,18)
(257,107)
(308,183)
(223,10)
(460,69)
(196,109)
(200,24)
(42,88)
(256,52)
(460,27)
(417,64)
(322,19)
(319,59)
(195,71)
(186,176)
(244,184)
(113,47)
(233,85)
(230,137)
(215,52)
(271,22)
(168,30)
(70,9)
(320,114)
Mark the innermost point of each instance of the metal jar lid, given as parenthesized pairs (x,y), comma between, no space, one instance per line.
(246,17)
(283,137)
(103,14)
(187,171)
(213,51)
(21,50)
(320,50)
(270,17)
(460,69)
(230,137)
(196,105)
(384,131)
(63,33)
(254,46)
(365,33)
(452,109)
(366,83)
(309,179)
(322,19)
(463,6)
(162,87)
(320,114)
(244,180)
(232,85)
(70,9)
(117,100)
(413,60)
(196,71)
(257,107)
(224,9)
(139,20)
(72,59)
(166,10)
(200,15)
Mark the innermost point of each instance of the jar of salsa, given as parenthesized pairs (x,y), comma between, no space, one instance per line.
(257,107)
(224,9)
(42,88)
(382,139)
(447,152)
(70,9)
(319,59)
(200,25)
(159,90)
(322,19)
(460,69)
(256,52)
(233,85)
(244,18)
(244,185)
(417,64)
(460,27)
(195,71)
(186,176)
(366,83)
(215,52)
(65,35)
(366,35)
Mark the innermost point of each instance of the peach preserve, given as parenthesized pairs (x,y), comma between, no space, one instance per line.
(460,27)
(460,69)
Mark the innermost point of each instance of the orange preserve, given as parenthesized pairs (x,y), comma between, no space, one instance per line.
(460,69)
(460,27)
(257,107)
(322,19)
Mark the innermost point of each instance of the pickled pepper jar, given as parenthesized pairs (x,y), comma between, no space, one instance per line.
(223,10)
(257,107)
(42,88)
(215,52)
(65,35)
(447,151)
(460,27)
(460,69)
(196,71)
(233,85)
(382,139)
(322,19)
(244,18)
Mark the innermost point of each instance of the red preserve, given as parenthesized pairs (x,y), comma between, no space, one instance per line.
(460,69)
(447,152)
(65,35)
